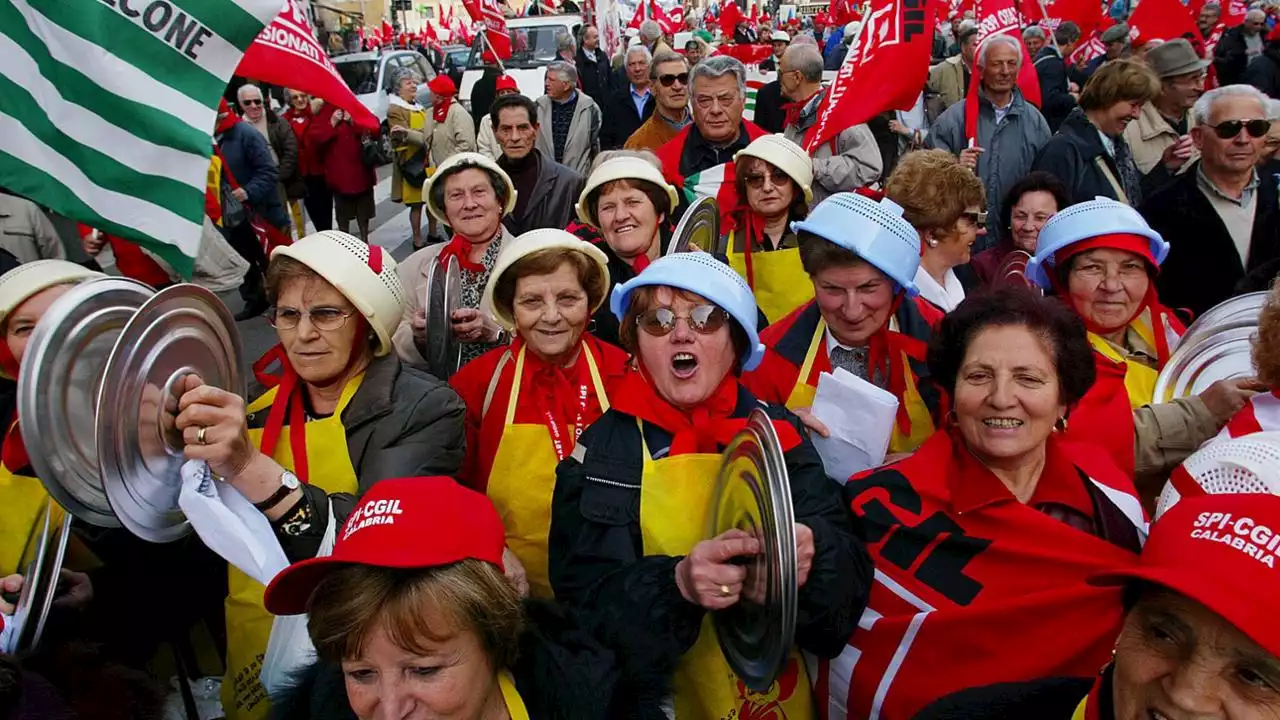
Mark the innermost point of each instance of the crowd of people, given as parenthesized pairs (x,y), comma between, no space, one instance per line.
(524,534)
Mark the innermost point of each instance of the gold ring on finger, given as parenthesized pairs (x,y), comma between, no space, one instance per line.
(200,435)
(724,591)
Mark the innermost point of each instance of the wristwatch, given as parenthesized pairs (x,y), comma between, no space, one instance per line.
(288,483)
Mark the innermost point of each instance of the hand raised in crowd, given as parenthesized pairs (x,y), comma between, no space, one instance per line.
(1225,397)
(1177,154)
(214,427)
(9,585)
(707,576)
(472,326)
(93,243)
(969,157)
(513,569)
(899,128)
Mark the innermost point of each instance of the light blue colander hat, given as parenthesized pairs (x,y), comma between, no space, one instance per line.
(874,231)
(1100,216)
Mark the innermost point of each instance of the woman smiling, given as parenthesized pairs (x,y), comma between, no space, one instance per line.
(527,404)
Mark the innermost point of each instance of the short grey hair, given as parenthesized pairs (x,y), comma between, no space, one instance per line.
(1002,39)
(650,30)
(567,70)
(806,59)
(1256,14)
(718,66)
(437,183)
(804,39)
(641,49)
(564,41)
(1216,7)
(1035,31)
(248,86)
(665,56)
(1273,110)
(406,72)
(1203,109)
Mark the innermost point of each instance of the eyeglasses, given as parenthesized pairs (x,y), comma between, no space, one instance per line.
(251,102)
(671,79)
(1228,129)
(322,318)
(977,217)
(703,319)
(755,181)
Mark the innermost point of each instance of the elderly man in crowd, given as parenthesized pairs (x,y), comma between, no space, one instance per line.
(279,136)
(629,106)
(1220,219)
(593,66)
(25,231)
(1238,47)
(1058,93)
(651,37)
(669,78)
(1116,38)
(1010,130)
(694,50)
(1035,39)
(1207,20)
(854,159)
(566,48)
(950,78)
(569,121)
(545,189)
(1160,138)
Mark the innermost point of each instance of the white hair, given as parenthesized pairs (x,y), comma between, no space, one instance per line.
(650,30)
(1203,110)
(1001,39)
(719,66)
(567,71)
(1035,31)
(1273,110)
(639,49)
(1255,14)
(247,86)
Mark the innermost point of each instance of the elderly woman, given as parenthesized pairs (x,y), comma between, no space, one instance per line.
(946,204)
(1101,259)
(861,258)
(629,511)
(470,194)
(414,619)
(1089,154)
(629,202)
(452,131)
(774,178)
(344,414)
(990,530)
(527,404)
(1028,206)
(410,137)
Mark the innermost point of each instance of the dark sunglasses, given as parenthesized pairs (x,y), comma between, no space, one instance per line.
(978,218)
(755,181)
(1228,129)
(669,80)
(703,319)
(250,102)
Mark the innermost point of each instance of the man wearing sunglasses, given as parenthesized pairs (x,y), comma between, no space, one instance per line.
(1220,219)
(669,78)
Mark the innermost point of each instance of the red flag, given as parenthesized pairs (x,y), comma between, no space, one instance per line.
(286,53)
(730,16)
(999,17)
(755,14)
(388,32)
(1233,13)
(1086,14)
(886,66)
(1162,20)
(429,34)
(490,14)
(638,16)
(677,17)
(746,54)
(669,25)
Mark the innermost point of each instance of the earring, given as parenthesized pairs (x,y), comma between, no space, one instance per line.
(933,243)
(1061,425)
(951,417)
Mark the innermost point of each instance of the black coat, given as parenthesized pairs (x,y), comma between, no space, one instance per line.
(620,118)
(1203,267)
(1264,73)
(595,76)
(551,203)
(1230,57)
(769,112)
(1072,155)
(1055,101)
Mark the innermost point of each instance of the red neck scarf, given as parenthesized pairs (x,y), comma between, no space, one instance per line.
(13,453)
(444,90)
(752,225)
(700,430)
(227,120)
(440,110)
(793,109)
(460,248)
(564,397)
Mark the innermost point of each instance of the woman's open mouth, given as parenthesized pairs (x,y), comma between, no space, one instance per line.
(684,365)
(1003,423)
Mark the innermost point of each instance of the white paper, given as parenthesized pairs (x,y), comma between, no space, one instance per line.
(229,524)
(289,648)
(860,418)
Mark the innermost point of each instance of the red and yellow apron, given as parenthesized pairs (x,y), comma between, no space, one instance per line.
(674,495)
(24,501)
(523,478)
(248,622)
(1104,416)
(776,277)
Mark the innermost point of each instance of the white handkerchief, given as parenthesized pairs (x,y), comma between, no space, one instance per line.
(229,524)
(860,419)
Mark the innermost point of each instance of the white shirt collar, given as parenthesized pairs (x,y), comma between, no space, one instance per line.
(946,296)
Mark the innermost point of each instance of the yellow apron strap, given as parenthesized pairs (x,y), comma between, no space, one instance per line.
(809,357)
(511,696)
(515,387)
(493,383)
(595,380)
(1080,712)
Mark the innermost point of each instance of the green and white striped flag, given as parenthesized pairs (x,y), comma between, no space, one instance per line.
(107,108)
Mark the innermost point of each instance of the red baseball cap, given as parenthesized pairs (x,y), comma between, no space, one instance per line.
(1221,551)
(415,522)
(506,82)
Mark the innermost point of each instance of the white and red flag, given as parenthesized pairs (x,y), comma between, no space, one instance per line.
(489,13)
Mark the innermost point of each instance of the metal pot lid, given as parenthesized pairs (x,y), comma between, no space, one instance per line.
(1012,271)
(1238,311)
(62,372)
(753,493)
(1219,355)
(184,329)
(699,229)
(444,295)
(41,566)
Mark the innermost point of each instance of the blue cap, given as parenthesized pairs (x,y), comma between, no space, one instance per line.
(874,231)
(1100,216)
(700,273)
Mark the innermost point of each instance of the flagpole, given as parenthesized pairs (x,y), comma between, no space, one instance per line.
(484,40)
(1044,13)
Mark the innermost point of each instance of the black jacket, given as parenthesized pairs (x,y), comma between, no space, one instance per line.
(629,597)
(769,112)
(1048,699)
(620,118)
(551,204)
(1055,101)
(562,673)
(1264,73)
(595,76)
(1230,57)
(1203,267)
(1072,156)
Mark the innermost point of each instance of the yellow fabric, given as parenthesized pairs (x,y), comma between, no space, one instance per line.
(299,224)
(918,412)
(213,184)
(1081,709)
(511,696)
(417,121)
(675,493)
(1139,380)
(248,622)
(24,501)
(523,478)
(781,284)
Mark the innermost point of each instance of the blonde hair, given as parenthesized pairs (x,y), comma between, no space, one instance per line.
(1118,81)
(934,189)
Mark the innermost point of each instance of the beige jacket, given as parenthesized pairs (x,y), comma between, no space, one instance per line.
(487,140)
(947,79)
(1164,435)
(1150,135)
(26,231)
(398,114)
(456,134)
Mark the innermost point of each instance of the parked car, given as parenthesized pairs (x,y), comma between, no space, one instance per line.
(370,74)
(533,47)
